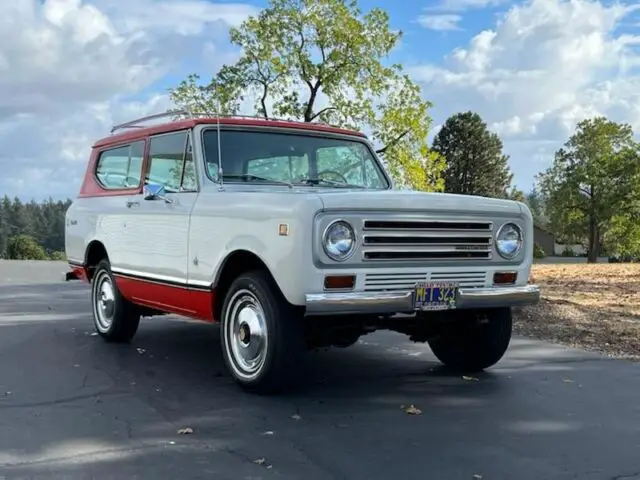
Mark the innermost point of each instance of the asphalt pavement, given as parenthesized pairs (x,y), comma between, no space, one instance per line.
(73,406)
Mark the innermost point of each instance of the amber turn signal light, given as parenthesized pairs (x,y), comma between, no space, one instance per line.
(505,278)
(339,282)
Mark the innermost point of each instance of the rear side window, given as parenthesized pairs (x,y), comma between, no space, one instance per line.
(121,167)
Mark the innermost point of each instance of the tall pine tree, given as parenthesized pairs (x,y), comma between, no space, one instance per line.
(475,164)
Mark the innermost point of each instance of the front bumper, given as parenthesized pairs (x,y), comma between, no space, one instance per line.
(401,302)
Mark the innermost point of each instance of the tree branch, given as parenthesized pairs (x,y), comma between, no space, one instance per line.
(308,112)
(324,110)
(305,75)
(585,191)
(392,143)
(265,92)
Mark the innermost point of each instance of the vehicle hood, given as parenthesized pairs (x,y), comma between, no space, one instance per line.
(415,201)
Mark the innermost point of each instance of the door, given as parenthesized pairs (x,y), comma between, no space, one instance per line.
(158,225)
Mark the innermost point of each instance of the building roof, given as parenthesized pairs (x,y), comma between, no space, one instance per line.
(138,131)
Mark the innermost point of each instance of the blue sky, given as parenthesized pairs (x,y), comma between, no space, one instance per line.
(69,69)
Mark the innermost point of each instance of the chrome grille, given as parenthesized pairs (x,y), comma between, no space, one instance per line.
(380,282)
(385,240)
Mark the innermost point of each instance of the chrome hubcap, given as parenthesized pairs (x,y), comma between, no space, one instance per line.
(104,301)
(245,330)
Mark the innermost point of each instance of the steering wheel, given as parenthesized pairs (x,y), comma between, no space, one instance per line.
(337,174)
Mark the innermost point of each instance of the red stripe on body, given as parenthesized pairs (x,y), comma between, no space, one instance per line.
(79,272)
(178,300)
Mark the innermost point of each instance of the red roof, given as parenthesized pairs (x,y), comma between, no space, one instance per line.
(135,133)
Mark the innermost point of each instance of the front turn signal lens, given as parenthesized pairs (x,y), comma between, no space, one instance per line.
(505,278)
(339,282)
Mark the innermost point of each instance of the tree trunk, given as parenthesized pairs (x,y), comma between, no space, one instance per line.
(594,241)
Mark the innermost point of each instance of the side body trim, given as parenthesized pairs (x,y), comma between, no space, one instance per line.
(167,294)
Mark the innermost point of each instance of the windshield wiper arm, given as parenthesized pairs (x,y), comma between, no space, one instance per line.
(250,176)
(318,181)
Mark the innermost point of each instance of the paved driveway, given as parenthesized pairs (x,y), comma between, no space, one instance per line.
(72,406)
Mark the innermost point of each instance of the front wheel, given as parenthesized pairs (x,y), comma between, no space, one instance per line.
(476,343)
(114,317)
(261,335)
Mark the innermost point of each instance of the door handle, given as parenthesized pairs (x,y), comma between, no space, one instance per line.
(131,203)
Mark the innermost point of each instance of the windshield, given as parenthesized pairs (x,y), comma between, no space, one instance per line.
(272,157)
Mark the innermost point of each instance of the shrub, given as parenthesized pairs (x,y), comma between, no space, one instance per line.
(568,252)
(24,247)
(58,256)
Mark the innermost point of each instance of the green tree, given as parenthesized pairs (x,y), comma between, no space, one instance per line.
(42,221)
(475,164)
(536,202)
(320,60)
(623,236)
(516,194)
(594,184)
(24,247)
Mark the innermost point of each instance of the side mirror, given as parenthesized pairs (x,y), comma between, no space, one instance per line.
(153,191)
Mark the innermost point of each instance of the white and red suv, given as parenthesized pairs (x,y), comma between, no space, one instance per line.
(291,236)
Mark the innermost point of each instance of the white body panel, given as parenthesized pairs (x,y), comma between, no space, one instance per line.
(228,221)
(159,234)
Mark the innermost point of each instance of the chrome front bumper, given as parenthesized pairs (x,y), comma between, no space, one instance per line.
(400,302)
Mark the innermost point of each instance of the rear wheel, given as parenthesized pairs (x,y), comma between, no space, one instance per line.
(114,317)
(476,343)
(261,334)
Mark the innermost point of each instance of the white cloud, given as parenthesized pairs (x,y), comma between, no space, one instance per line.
(69,68)
(183,17)
(440,22)
(546,65)
(462,5)
(51,159)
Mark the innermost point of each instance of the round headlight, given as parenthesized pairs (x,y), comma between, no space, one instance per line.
(509,240)
(339,240)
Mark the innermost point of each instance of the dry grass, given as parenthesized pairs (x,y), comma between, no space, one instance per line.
(590,306)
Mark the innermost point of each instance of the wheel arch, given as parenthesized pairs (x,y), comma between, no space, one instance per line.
(94,252)
(233,265)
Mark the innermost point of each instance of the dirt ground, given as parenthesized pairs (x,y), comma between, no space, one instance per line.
(590,306)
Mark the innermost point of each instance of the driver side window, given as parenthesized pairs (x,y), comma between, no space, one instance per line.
(171,162)
(348,163)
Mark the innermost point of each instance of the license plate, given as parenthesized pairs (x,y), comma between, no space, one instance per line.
(434,296)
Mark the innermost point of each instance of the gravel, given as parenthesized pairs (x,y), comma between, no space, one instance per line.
(591,306)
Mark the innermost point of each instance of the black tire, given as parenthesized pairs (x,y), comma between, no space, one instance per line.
(114,317)
(477,343)
(266,315)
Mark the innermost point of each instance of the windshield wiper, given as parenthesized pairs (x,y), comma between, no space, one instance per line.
(318,181)
(250,176)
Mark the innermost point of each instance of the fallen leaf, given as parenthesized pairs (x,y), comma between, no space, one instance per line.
(295,416)
(470,379)
(477,477)
(185,431)
(140,350)
(411,410)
